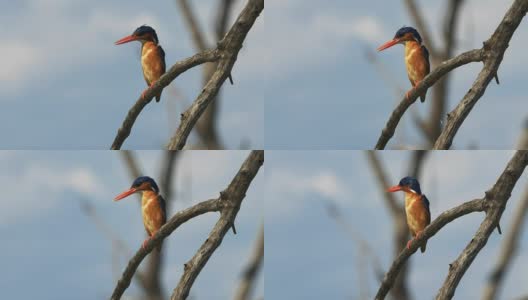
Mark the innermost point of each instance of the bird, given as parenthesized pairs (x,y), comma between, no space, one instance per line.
(416,207)
(152,205)
(152,55)
(416,56)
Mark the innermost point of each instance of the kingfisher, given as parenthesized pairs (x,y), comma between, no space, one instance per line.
(416,56)
(152,55)
(152,205)
(416,207)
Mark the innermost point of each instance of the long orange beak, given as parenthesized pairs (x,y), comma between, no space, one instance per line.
(394,188)
(127,39)
(388,44)
(125,194)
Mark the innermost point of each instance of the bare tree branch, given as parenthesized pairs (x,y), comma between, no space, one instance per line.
(130,162)
(227,204)
(383,182)
(193,26)
(121,247)
(491,54)
(417,16)
(228,48)
(231,199)
(177,69)
(206,124)
(151,281)
(496,198)
(508,250)
(445,67)
(400,228)
(493,204)
(249,275)
(494,49)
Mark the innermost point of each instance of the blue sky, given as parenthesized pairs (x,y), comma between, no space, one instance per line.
(65,85)
(324,94)
(302,80)
(308,256)
(51,244)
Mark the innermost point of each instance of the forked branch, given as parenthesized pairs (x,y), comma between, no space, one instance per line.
(228,204)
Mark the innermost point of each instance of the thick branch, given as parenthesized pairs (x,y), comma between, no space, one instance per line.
(249,275)
(442,220)
(231,199)
(177,69)
(445,67)
(493,203)
(494,49)
(235,191)
(206,126)
(496,199)
(228,47)
(178,219)
(508,250)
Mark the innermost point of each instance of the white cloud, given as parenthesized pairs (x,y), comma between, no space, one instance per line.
(366,28)
(37,188)
(63,40)
(300,42)
(286,188)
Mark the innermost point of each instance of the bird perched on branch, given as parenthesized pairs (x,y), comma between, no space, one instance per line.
(416,207)
(152,205)
(416,56)
(152,55)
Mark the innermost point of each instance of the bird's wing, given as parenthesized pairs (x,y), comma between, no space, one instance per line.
(426,56)
(426,205)
(161,202)
(162,55)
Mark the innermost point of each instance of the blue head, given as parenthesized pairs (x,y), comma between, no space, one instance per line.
(410,183)
(402,36)
(143,34)
(145,183)
(407,184)
(408,33)
(146,32)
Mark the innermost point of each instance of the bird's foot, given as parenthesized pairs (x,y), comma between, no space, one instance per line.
(408,93)
(144,245)
(144,92)
(409,244)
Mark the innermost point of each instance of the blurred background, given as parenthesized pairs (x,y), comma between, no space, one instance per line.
(65,85)
(64,237)
(332,90)
(331,235)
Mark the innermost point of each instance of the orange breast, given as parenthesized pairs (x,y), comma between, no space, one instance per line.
(151,62)
(152,214)
(415,62)
(417,215)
